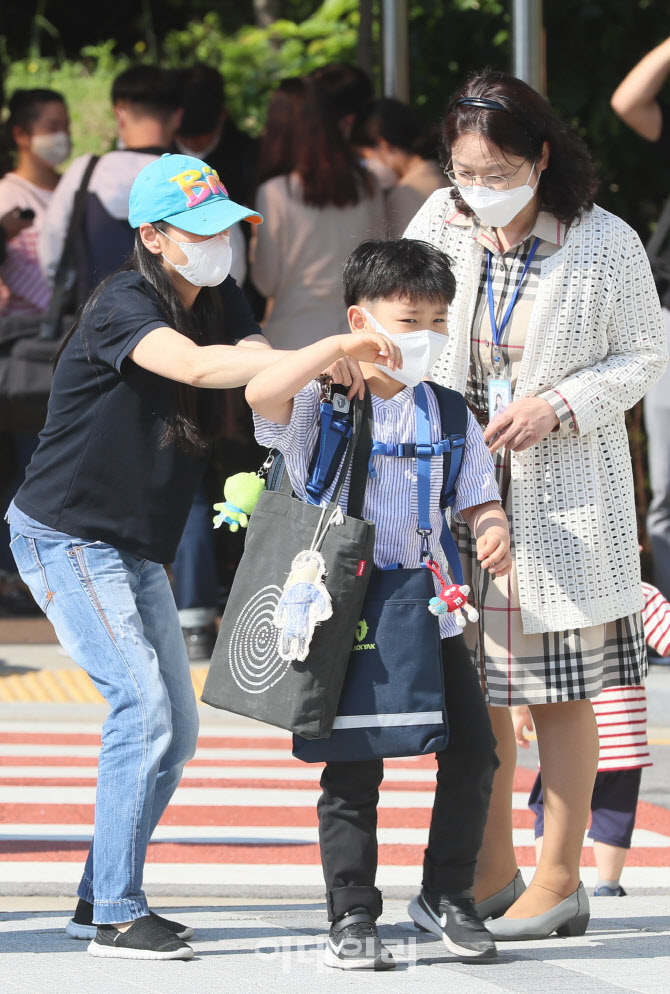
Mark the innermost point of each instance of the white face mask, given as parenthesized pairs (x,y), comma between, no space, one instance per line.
(384,175)
(498,207)
(53,149)
(420,350)
(201,153)
(208,262)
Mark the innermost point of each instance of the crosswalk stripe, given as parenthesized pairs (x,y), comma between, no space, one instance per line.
(270,834)
(206,796)
(244,814)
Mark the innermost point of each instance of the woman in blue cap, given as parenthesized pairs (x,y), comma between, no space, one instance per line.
(104,504)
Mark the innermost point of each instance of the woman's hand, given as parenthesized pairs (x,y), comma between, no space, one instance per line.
(347,372)
(493,550)
(521,425)
(522,720)
(370,346)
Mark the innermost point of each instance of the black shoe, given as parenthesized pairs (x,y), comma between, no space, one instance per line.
(81,926)
(200,642)
(145,939)
(455,920)
(353,944)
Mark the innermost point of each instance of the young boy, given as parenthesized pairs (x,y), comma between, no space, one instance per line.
(398,287)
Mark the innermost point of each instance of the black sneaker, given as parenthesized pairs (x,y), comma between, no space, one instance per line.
(81,926)
(455,920)
(354,944)
(200,642)
(145,939)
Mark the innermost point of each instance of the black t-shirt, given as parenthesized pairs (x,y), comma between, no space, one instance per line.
(100,471)
(663,143)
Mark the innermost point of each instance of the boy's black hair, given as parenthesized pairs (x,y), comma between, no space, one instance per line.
(154,90)
(403,267)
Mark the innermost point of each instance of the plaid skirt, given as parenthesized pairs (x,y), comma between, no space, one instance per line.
(516,668)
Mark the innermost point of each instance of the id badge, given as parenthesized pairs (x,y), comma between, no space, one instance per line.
(500,396)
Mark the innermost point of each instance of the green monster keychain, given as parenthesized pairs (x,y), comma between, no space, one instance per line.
(241,493)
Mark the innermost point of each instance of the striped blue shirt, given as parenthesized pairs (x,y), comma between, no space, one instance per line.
(391,497)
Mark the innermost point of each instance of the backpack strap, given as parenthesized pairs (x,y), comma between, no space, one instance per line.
(454,420)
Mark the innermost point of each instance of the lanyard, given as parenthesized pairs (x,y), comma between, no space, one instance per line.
(495,330)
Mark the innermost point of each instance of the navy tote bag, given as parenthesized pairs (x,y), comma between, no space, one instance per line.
(393,701)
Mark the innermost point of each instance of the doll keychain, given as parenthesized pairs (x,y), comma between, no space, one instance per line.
(452,598)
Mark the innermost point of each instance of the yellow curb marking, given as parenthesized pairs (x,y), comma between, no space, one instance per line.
(65,687)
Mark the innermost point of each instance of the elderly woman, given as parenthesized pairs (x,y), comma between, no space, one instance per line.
(556,314)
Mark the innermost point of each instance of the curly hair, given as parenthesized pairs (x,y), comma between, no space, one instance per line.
(568,184)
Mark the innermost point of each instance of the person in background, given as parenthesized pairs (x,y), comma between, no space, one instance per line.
(638,103)
(390,136)
(207,131)
(347,89)
(38,130)
(621,715)
(146,104)
(319,203)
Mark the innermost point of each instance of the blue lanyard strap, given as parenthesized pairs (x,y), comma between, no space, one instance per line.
(336,430)
(495,330)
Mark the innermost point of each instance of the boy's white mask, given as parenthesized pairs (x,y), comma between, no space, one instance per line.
(420,351)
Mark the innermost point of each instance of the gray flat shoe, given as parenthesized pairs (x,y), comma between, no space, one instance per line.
(496,905)
(569,918)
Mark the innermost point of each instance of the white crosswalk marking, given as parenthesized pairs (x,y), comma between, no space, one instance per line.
(244,815)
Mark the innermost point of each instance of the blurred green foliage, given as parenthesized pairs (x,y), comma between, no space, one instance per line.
(254,60)
(591,45)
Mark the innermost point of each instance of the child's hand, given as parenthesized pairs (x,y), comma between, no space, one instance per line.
(370,346)
(348,373)
(522,720)
(493,550)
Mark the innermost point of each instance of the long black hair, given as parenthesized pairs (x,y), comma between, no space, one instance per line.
(198,415)
(520,128)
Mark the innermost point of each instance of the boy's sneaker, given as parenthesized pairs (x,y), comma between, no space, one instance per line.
(455,920)
(81,926)
(610,892)
(145,939)
(354,944)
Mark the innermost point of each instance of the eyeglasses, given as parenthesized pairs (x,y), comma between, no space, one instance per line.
(492,182)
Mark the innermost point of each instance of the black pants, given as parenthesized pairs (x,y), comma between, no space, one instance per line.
(347,807)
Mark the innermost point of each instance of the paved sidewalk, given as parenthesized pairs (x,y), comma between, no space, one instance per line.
(253,947)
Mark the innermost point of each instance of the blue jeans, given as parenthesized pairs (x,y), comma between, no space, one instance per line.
(115,615)
(195,580)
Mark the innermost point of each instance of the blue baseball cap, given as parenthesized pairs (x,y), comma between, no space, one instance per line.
(186,192)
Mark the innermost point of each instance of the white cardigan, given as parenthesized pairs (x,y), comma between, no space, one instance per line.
(596,336)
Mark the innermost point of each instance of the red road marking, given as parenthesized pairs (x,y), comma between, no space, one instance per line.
(23,851)
(222,816)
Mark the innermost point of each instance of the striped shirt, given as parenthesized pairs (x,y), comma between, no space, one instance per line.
(621,712)
(391,497)
(23,288)
(621,716)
